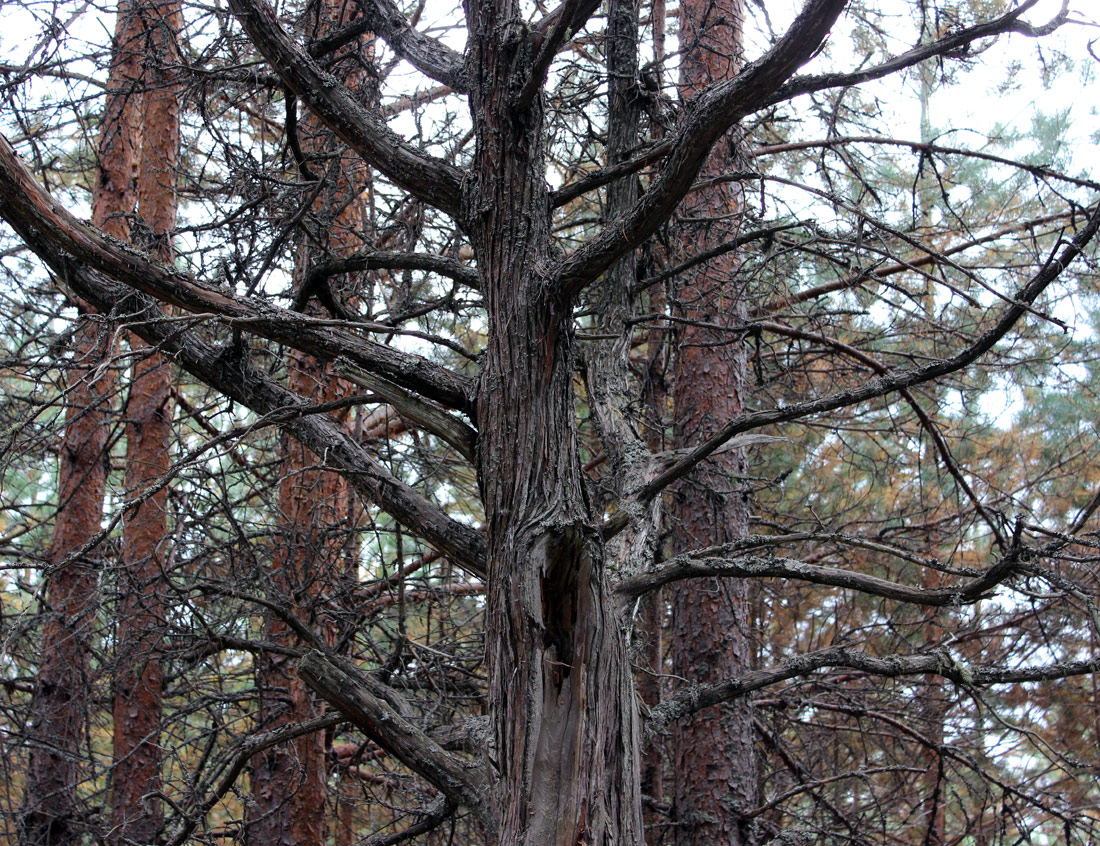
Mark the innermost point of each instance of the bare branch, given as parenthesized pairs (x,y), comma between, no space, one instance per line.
(432,180)
(708,563)
(957,43)
(713,113)
(210,794)
(893,381)
(24,204)
(357,696)
(232,372)
(696,697)
(550,34)
(387,260)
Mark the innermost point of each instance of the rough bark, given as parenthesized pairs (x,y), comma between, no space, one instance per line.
(50,813)
(714,761)
(136,809)
(560,694)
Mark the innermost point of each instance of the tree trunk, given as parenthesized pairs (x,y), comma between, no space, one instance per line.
(136,810)
(714,758)
(50,813)
(289,780)
(560,691)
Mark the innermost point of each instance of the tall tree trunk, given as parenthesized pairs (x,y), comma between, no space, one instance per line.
(289,781)
(560,689)
(714,757)
(136,811)
(50,813)
(931,696)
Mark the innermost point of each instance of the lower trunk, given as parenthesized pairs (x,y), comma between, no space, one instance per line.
(560,686)
(289,780)
(567,725)
(139,676)
(50,814)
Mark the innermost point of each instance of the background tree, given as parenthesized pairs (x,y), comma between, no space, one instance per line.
(138,682)
(50,812)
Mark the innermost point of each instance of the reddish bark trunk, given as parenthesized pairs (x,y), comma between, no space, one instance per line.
(289,781)
(136,811)
(714,755)
(50,813)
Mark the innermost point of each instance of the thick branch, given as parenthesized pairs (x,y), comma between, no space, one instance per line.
(431,180)
(424,53)
(550,34)
(708,119)
(23,203)
(435,420)
(358,697)
(233,373)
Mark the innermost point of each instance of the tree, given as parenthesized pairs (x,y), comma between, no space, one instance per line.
(49,813)
(714,754)
(512,288)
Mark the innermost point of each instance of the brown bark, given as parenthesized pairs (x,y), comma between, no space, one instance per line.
(136,812)
(289,780)
(50,812)
(561,697)
(714,763)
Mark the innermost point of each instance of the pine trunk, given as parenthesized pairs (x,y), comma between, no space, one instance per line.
(714,759)
(136,809)
(51,813)
(289,781)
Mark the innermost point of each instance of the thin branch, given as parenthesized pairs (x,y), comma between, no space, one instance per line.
(890,382)
(695,698)
(211,794)
(957,44)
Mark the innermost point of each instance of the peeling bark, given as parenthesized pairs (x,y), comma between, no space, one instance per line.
(560,692)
